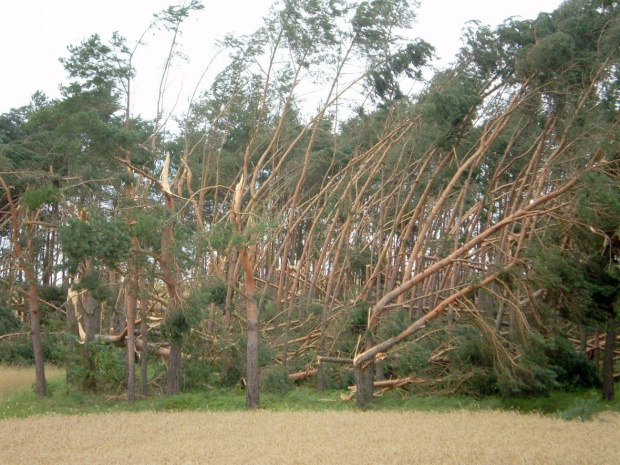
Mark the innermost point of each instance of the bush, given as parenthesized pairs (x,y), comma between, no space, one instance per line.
(555,362)
(9,322)
(336,376)
(582,409)
(17,350)
(545,365)
(197,374)
(275,380)
(107,372)
(410,359)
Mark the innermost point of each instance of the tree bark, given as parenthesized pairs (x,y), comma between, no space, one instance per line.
(131,299)
(144,307)
(91,325)
(364,384)
(252,386)
(173,385)
(37,344)
(608,360)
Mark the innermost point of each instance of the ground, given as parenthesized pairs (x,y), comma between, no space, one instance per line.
(267,437)
(291,437)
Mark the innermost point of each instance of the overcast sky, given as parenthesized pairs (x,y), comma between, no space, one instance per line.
(35,33)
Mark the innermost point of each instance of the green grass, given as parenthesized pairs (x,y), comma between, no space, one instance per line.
(574,405)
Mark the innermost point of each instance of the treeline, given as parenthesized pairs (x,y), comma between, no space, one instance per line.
(461,238)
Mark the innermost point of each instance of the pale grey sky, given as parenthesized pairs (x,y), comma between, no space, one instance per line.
(35,33)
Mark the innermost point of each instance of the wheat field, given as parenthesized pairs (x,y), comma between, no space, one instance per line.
(267,437)
(14,379)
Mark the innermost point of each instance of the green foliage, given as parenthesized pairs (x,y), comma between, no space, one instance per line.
(275,380)
(147,227)
(358,261)
(108,366)
(197,374)
(231,366)
(220,235)
(583,409)
(413,358)
(56,295)
(565,405)
(35,197)
(99,67)
(106,240)
(545,364)
(358,317)
(215,291)
(598,204)
(408,62)
(17,350)
(96,285)
(9,322)
(336,376)
(179,323)
(309,25)
(393,323)
(452,100)
(582,280)
(571,370)
(176,326)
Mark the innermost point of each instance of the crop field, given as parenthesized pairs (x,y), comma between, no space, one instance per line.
(267,437)
(295,437)
(16,379)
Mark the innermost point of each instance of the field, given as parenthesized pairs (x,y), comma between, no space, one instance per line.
(282,437)
(266,437)
(17,379)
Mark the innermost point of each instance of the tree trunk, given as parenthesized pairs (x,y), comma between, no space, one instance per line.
(252,390)
(583,339)
(91,325)
(364,384)
(211,322)
(597,348)
(608,360)
(130,308)
(37,344)
(144,307)
(71,336)
(174,368)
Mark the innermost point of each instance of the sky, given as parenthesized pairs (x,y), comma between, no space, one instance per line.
(34,34)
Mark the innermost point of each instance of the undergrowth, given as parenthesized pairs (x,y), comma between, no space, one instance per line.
(580,405)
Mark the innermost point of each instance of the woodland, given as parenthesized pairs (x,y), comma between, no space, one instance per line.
(444,231)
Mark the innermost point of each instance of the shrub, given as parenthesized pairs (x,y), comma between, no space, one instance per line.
(197,374)
(275,380)
(17,350)
(9,322)
(108,366)
(337,376)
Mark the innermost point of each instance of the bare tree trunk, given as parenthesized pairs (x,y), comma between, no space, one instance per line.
(131,299)
(37,344)
(608,360)
(144,306)
(583,339)
(71,337)
(364,384)
(90,317)
(247,257)
(211,321)
(252,391)
(173,385)
(597,348)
